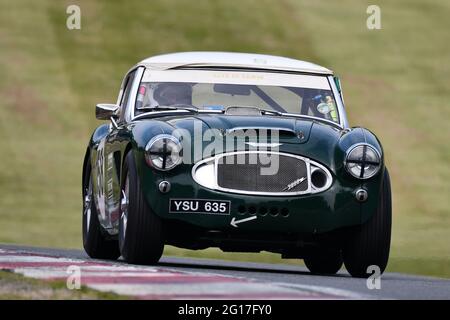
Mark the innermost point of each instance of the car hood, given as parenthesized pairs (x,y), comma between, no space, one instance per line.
(289,130)
(305,137)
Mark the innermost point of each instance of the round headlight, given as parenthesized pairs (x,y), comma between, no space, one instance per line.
(163,152)
(363,161)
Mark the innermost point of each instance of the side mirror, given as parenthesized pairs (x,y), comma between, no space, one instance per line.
(106,111)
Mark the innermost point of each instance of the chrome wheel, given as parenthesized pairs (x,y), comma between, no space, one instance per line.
(124,209)
(141,238)
(87,205)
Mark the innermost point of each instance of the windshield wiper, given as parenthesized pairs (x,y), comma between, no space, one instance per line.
(185,107)
(295,115)
(272,112)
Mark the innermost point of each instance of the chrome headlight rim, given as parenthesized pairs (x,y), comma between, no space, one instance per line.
(376,163)
(148,153)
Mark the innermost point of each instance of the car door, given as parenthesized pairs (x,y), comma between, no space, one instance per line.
(112,158)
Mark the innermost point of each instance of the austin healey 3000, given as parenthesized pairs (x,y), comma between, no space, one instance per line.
(243,152)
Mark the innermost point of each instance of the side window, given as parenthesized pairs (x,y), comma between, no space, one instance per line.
(126,95)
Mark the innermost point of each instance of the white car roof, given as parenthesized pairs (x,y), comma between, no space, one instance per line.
(231,60)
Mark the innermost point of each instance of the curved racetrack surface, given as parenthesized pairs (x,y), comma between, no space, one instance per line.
(186,278)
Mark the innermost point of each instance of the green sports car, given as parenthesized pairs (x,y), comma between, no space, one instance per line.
(244,152)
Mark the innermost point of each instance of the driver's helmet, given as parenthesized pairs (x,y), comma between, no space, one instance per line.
(170,93)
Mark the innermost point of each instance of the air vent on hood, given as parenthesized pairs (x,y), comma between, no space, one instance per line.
(260,131)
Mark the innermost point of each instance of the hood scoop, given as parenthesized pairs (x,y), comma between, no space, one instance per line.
(287,130)
(260,131)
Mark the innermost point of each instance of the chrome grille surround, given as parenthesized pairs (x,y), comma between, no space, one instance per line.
(205,173)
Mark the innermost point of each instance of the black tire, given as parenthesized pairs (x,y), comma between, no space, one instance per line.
(370,244)
(95,241)
(141,237)
(329,262)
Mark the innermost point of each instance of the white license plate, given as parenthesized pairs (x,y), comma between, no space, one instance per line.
(199,206)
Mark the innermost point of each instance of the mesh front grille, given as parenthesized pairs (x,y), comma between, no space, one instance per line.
(250,172)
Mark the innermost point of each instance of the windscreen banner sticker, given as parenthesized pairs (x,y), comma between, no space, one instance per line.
(220,207)
(236,77)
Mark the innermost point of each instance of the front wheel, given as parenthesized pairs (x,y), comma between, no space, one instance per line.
(140,229)
(95,242)
(369,244)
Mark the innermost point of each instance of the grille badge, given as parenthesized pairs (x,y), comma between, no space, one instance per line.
(293,184)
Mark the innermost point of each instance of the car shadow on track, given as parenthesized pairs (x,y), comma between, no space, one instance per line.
(228,266)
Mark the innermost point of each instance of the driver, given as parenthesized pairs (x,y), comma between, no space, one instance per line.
(171,93)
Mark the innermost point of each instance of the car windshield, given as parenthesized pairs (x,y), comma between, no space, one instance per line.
(308,95)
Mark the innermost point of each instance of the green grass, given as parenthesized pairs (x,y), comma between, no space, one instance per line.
(16,287)
(395,82)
